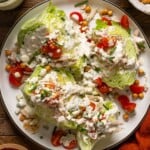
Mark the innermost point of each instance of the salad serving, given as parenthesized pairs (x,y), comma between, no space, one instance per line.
(77,72)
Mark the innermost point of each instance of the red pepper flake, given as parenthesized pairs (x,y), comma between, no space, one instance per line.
(78,14)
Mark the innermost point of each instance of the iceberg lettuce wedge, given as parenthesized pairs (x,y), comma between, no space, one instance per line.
(52,18)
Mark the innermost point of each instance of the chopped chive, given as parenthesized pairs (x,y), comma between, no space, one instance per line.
(81,3)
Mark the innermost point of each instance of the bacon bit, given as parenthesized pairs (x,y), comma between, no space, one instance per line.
(50,85)
(93,105)
(82,108)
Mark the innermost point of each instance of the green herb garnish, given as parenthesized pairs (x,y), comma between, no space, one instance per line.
(81,3)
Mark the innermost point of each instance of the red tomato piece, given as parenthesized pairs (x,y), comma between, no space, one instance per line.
(108,21)
(98,81)
(126,104)
(124,22)
(45,49)
(55,139)
(13,79)
(72,145)
(104,89)
(123,99)
(56,54)
(103,43)
(136,88)
(130,107)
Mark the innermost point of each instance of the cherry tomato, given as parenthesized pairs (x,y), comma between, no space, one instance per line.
(104,89)
(124,22)
(103,43)
(55,140)
(136,88)
(72,145)
(13,79)
(92,105)
(108,21)
(98,81)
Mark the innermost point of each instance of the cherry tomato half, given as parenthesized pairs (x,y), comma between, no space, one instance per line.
(124,22)
(15,76)
(55,140)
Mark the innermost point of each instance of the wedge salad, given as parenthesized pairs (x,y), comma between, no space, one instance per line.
(77,71)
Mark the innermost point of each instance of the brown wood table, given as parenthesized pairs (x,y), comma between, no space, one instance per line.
(8,133)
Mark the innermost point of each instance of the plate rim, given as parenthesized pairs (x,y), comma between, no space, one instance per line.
(1,96)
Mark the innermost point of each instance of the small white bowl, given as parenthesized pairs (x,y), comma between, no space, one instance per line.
(10,4)
(145,8)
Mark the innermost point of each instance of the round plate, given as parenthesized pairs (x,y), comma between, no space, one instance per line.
(9,94)
(145,8)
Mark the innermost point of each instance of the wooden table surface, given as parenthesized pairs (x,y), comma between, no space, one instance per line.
(8,133)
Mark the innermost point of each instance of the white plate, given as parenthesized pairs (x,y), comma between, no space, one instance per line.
(145,8)
(9,94)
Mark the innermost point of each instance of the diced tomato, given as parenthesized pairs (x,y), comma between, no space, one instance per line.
(72,145)
(123,99)
(104,89)
(126,104)
(93,105)
(56,54)
(124,22)
(103,43)
(98,81)
(52,49)
(136,88)
(108,21)
(45,49)
(130,107)
(56,136)
(13,79)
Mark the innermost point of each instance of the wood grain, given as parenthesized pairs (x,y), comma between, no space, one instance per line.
(8,133)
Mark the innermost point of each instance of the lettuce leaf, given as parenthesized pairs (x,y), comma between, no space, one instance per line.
(120,79)
(85,142)
(100,24)
(77,68)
